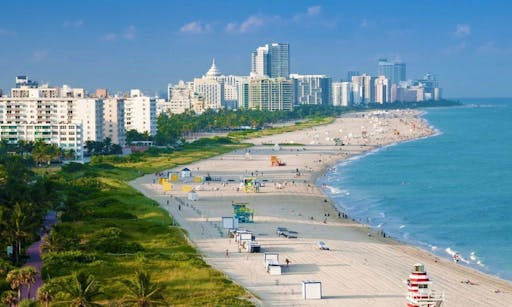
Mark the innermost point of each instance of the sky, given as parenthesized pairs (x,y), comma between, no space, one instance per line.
(127,44)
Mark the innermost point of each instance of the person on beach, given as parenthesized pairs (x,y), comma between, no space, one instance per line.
(227,253)
(287,262)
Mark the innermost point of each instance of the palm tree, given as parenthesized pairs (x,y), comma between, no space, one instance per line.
(9,298)
(83,290)
(142,292)
(28,277)
(15,278)
(45,295)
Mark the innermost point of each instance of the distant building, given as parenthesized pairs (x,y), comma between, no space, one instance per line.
(140,113)
(382,90)
(211,87)
(101,93)
(342,94)
(395,72)
(113,120)
(352,73)
(365,85)
(271,60)
(270,94)
(430,86)
(56,115)
(311,89)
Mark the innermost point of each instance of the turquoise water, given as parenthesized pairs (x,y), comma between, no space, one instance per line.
(448,193)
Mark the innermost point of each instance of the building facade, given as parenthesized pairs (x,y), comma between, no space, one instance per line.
(113,120)
(140,113)
(311,89)
(365,85)
(271,60)
(269,94)
(382,90)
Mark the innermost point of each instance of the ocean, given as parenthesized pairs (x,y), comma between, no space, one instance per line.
(450,193)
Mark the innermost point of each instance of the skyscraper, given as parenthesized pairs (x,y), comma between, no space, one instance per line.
(393,71)
(312,89)
(272,60)
(352,73)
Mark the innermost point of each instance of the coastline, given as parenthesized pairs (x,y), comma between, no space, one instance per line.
(355,259)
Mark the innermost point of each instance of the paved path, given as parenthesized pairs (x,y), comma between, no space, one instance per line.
(34,256)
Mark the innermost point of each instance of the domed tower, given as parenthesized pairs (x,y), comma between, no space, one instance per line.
(419,293)
(213,72)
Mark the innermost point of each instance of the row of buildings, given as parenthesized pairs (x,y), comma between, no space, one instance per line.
(270,86)
(69,116)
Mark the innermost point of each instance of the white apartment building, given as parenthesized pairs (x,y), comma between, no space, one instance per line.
(113,120)
(89,112)
(365,84)
(382,90)
(312,89)
(140,113)
(60,116)
(342,94)
(271,94)
(211,87)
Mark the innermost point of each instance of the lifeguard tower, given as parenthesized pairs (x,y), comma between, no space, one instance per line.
(419,293)
(242,213)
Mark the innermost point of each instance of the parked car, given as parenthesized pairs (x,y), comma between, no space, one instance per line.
(321,245)
(290,234)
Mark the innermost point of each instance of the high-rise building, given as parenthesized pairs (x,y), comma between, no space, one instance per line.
(271,60)
(271,94)
(311,89)
(56,115)
(352,73)
(365,84)
(395,72)
(342,94)
(211,87)
(113,120)
(382,90)
(399,72)
(140,113)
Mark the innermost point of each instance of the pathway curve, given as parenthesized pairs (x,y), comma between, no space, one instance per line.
(34,256)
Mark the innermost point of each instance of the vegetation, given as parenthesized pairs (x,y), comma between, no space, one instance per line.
(106,147)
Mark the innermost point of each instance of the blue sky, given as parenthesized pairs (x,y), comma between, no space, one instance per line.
(147,44)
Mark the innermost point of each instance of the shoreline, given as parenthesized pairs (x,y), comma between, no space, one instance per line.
(355,260)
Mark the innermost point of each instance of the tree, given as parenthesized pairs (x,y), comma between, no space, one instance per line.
(28,276)
(44,153)
(15,279)
(142,292)
(9,298)
(45,294)
(82,289)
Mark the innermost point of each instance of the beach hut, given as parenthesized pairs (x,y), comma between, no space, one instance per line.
(311,290)
(186,173)
(193,196)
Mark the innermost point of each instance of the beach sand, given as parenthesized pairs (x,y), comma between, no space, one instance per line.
(361,268)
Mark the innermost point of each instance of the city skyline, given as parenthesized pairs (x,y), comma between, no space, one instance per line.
(98,44)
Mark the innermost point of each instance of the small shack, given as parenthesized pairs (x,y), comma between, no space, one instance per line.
(193,196)
(311,289)
(186,173)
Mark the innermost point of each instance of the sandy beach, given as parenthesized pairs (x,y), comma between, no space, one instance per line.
(361,268)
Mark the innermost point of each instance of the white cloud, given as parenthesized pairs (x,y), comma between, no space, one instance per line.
(364,23)
(195,27)
(73,23)
(130,33)
(6,32)
(40,55)
(251,23)
(462,30)
(314,10)
(109,37)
